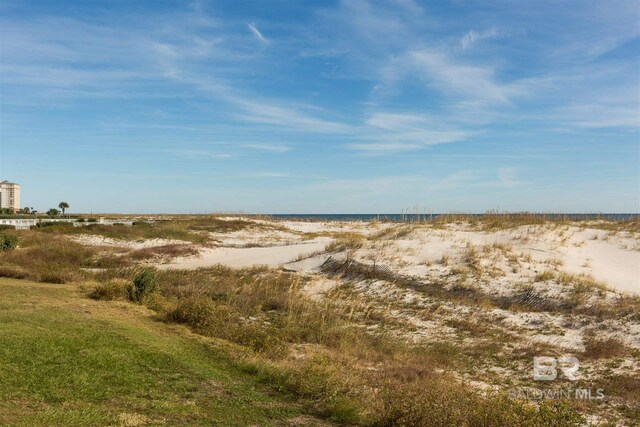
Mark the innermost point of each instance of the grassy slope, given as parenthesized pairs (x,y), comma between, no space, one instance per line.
(67,360)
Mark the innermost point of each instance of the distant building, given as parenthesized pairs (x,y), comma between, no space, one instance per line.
(9,195)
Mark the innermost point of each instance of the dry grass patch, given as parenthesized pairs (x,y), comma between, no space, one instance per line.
(545,276)
(174,230)
(164,252)
(46,258)
(493,220)
(604,347)
(346,242)
(114,289)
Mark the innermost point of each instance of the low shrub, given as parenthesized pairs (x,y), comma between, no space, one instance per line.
(54,225)
(143,285)
(13,272)
(114,289)
(160,304)
(8,242)
(213,319)
(56,273)
(7,227)
(436,401)
(316,379)
(199,312)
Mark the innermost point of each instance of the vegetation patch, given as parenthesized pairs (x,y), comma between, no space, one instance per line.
(602,347)
(8,242)
(72,361)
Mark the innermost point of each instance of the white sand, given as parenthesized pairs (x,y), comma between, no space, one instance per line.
(607,261)
(273,256)
(91,240)
(613,259)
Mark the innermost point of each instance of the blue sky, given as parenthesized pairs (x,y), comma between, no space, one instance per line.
(322,107)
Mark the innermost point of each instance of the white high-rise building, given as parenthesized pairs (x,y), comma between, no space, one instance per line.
(9,195)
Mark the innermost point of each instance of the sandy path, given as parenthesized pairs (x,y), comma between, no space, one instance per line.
(272,256)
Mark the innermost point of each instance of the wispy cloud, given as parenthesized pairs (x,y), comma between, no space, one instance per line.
(292,117)
(471,37)
(602,115)
(276,148)
(508,177)
(272,175)
(199,154)
(257,33)
(448,76)
(504,177)
(385,147)
(452,181)
(397,132)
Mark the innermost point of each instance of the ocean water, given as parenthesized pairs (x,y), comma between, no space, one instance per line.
(395,217)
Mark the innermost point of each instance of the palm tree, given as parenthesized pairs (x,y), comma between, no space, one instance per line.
(63,206)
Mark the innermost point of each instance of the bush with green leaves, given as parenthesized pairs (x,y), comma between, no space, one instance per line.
(7,227)
(8,242)
(143,285)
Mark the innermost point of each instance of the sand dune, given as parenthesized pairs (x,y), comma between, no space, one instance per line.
(610,258)
(273,256)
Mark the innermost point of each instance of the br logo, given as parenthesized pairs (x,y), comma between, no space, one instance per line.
(546,368)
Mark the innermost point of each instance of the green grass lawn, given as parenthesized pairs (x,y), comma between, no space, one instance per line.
(67,360)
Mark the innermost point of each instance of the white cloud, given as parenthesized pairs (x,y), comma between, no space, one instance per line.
(266,111)
(508,177)
(276,148)
(396,132)
(477,179)
(291,117)
(199,154)
(595,115)
(192,153)
(257,33)
(384,147)
(453,181)
(394,121)
(472,37)
(272,175)
(469,80)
